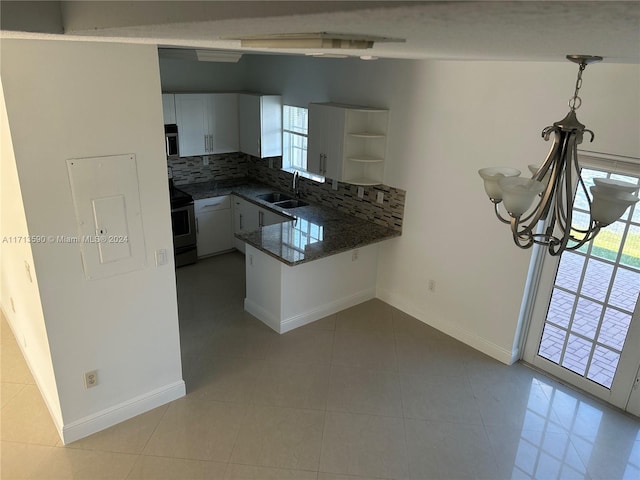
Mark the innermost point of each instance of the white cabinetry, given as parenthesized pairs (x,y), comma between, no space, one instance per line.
(326,137)
(207,123)
(248,217)
(347,143)
(169,108)
(213,225)
(260,124)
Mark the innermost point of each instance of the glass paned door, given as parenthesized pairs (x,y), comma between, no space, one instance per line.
(594,295)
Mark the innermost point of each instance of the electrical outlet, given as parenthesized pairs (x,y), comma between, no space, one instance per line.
(334,184)
(431,286)
(205,160)
(380,197)
(360,192)
(354,255)
(91,379)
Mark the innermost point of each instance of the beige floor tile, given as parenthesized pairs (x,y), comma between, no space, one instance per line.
(197,430)
(327,323)
(417,356)
(223,378)
(130,436)
(530,454)
(26,419)
(64,463)
(13,368)
(371,350)
(439,398)
(358,390)
(370,316)
(247,472)
(406,325)
(162,468)
(364,445)
(292,385)
(280,437)
(302,346)
(21,460)
(252,342)
(9,391)
(449,450)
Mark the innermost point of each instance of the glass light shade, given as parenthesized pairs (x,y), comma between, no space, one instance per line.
(518,193)
(491,176)
(534,169)
(608,207)
(610,186)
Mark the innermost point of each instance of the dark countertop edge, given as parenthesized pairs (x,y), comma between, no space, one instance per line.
(201,190)
(320,256)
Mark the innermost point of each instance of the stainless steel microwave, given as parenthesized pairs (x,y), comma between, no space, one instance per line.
(171,141)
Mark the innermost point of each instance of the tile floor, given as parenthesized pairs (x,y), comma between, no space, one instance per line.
(367,393)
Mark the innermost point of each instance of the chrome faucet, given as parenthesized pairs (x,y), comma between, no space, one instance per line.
(295,184)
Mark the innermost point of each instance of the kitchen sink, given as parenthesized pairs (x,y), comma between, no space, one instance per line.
(275,197)
(291,203)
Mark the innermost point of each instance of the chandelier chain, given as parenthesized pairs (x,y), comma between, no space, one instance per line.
(575,102)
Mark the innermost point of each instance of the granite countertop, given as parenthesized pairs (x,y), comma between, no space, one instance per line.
(314,232)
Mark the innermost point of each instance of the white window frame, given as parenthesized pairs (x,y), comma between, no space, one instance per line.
(286,164)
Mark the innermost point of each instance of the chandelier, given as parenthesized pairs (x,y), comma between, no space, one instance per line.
(553,184)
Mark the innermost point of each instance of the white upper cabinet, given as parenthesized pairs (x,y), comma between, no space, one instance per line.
(207,123)
(223,122)
(347,143)
(169,108)
(326,137)
(260,124)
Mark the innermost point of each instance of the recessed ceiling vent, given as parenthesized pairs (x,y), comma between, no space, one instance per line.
(319,40)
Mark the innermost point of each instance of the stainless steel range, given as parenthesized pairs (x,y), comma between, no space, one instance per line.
(183,224)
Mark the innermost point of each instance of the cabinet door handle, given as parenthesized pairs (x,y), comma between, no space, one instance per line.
(197,227)
(241,227)
(260,219)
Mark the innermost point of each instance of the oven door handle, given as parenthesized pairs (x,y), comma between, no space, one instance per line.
(197,227)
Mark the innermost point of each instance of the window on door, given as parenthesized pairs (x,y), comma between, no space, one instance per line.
(594,294)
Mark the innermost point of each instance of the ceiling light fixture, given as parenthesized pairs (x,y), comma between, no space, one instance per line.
(317,40)
(554,182)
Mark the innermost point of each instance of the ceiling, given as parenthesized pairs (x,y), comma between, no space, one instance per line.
(464,30)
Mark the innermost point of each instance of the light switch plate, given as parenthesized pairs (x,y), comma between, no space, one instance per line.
(360,192)
(205,160)
(380,197)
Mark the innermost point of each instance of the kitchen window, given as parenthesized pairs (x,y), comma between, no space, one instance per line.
(295,131)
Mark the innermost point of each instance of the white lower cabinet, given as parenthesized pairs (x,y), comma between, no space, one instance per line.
(248,217)
(213,225)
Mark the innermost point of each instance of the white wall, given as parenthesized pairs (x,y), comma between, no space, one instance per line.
(447,120)
(72,100)
(19,294)
(190,76)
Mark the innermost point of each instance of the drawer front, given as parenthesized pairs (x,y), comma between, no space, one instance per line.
(213,203)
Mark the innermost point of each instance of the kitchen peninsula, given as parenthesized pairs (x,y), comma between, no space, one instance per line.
(298,271)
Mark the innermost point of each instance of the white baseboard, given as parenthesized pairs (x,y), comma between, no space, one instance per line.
(483,345)
(124,411)
(304,318)
(326,309)
(263,315)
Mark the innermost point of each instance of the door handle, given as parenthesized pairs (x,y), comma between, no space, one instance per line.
(260,219)
(241,227)
(197,227)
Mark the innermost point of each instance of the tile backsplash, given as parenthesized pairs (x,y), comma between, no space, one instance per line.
(389,213)
(224,166)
